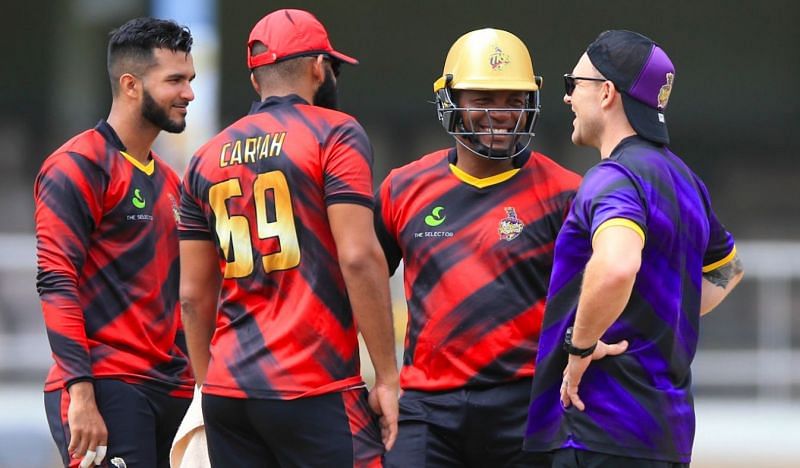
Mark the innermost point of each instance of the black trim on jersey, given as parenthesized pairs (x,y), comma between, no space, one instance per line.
(272,101)
(388,243)
(108,132)
(353,198)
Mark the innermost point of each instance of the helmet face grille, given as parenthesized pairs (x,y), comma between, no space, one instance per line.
(488,60)
(468,135)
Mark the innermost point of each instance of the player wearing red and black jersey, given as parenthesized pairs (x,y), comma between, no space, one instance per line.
(107,245)
(280,262)
(107,237)
(285,329)
(477,256)
(475,227)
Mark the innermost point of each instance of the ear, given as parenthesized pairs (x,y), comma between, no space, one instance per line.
(255,84)
(318,69)
(609,95)
(129,86)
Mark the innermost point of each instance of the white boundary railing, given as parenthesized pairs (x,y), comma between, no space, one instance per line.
(772,367)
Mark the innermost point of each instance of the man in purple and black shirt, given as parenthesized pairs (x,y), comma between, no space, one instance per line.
(639,259)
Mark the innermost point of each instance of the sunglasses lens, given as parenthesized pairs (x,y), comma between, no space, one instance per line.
(335,64)
(569,84)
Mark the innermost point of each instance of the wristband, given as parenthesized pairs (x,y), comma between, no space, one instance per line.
(570,349)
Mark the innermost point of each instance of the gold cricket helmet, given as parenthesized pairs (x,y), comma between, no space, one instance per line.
(488,60)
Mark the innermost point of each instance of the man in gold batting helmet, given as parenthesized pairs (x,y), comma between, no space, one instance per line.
(474,225)
(489,62)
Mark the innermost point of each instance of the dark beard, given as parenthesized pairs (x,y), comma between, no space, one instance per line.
(156,115)
(326,93)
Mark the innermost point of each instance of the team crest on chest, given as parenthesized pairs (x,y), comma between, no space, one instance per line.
(510,227)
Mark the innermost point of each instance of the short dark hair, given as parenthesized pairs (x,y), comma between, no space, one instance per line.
(130,47)
(282,71)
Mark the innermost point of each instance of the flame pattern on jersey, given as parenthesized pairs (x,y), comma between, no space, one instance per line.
(477,260)
(259,190)
(107,246)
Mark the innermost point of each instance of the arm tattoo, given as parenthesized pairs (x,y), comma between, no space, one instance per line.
(722,275)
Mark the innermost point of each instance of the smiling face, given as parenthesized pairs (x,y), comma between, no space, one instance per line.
(494,116)
(167,90)
(585,104)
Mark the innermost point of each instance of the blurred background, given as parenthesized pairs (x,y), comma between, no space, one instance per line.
(731,116)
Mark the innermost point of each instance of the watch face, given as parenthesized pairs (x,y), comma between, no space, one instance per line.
(571,349)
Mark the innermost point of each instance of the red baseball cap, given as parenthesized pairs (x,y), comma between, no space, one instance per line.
(288,34)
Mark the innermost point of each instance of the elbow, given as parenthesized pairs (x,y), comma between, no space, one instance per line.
(188,300)
(621,271)
(360,260)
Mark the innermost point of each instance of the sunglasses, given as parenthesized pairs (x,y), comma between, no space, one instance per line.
(336,65)
(569,82)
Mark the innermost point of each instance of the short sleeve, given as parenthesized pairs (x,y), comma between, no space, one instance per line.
(193,222)
(385,227)
(610,194)
(347,165)
(721,249)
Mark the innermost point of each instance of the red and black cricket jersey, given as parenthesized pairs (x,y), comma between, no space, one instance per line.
(477,256)
(107,246)
(260,190)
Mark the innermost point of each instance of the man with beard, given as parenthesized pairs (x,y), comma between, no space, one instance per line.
(474,225)
(107,245)
(280,263)
(641,257)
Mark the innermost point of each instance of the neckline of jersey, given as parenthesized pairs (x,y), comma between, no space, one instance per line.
(482,182)
(148,168)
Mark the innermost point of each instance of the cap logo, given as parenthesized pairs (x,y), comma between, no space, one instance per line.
(498,59)
(663,94)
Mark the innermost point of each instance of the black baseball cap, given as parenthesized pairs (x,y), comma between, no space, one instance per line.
(643,72)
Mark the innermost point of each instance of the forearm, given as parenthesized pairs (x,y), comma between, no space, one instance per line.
(66,332)
(718,283)
(199,296)
(199,322)
(602,300)
(367,285)
(607,283)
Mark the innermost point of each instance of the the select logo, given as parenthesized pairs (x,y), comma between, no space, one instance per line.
(436,217)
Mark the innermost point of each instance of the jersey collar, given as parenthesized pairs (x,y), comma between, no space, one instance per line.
(109,134)
(633,140)
(273,101)
(518,162)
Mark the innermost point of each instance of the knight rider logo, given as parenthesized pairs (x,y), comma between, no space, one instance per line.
(499,59)
(510,227)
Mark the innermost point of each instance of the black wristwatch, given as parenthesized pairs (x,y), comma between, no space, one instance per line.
(570,349)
